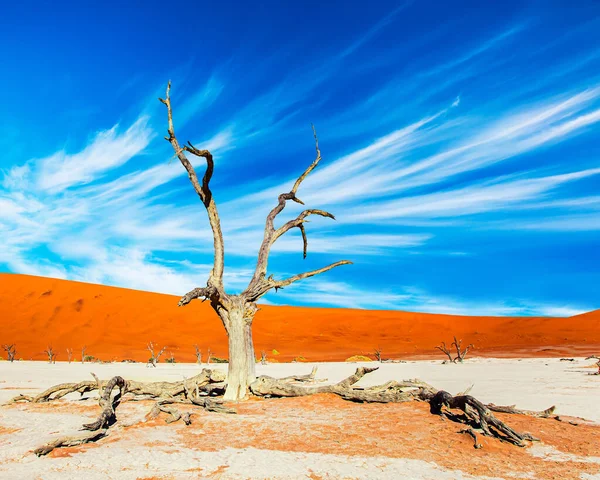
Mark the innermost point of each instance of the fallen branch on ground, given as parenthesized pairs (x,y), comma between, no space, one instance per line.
(205,388)
(193,392)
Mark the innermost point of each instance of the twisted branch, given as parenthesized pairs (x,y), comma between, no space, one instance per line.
(203,191)
(259,285)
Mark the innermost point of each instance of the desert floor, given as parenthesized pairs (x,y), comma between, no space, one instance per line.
(313,437)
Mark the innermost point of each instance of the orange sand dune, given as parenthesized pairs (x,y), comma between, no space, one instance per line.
(117,323)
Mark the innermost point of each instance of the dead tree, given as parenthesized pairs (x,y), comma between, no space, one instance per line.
(208,357)
(11,351)
(83,349)
(263,357)
(460,354)
(237,311)
(378,354)
(51,354)
(154,357)
(198,355)
(445,350)
(201,390)
(69,354)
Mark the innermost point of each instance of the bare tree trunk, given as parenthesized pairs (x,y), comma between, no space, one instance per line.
(242,364)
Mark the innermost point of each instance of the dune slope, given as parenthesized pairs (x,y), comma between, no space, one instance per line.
(116,323)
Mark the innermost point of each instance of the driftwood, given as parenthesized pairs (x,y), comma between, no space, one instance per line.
(194,391)
(207,388)
(460,354)
(476,415)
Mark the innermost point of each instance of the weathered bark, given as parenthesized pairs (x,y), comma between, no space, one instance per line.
(186,392)
(231,308)
(70,441)
(476,414)
(477,417)
(107,415)
(142,389)
(242,364)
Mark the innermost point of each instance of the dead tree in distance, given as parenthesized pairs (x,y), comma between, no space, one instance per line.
(51,354)
(198,355)
(154,357)
(237,311)
(83,349)
(460,354)
(69,354)
(11,351)
(378,354)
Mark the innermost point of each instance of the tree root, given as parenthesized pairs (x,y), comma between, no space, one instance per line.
(193,392)
(476,414)
(72,441)
(203,390)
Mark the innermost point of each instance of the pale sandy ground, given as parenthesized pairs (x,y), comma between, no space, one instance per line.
(162,451)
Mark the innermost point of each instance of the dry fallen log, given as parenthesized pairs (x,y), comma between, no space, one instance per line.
(192,392)
(72,441)
(200,390)
(97,429)
(476,414)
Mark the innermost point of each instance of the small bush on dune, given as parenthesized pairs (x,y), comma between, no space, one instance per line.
(359,358)
(218,360)
(299,359)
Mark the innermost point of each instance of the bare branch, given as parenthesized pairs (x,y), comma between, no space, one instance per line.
(460,355)
(51,354)
(154,357)
(203,293)
(253,293)
(203,191)
(270,233)
(443,348)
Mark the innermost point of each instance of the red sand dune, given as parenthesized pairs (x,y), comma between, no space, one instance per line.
(117,323)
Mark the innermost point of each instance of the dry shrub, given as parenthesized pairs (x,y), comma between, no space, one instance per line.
(359,358)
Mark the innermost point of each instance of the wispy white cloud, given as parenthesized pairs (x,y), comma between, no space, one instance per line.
(409,171)
(325,293)
(107,151)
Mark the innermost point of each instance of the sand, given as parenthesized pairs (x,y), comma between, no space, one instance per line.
(314,437)
(117,323)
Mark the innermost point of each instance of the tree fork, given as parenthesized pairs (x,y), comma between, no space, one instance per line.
(237,311)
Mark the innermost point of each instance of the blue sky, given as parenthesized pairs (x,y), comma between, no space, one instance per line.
(460,148)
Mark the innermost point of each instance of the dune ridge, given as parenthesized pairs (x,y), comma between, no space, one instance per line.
(117,323)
